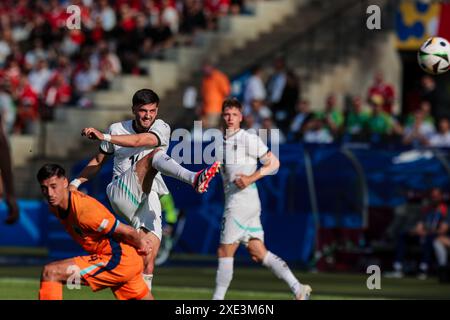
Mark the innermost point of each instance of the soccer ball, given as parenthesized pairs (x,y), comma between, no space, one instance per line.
(434,55)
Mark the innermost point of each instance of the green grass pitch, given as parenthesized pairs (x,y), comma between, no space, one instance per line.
(248,283)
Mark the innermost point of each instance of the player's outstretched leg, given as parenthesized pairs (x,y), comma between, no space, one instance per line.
(224,273)
(146,170)
(169,167)
(278,266)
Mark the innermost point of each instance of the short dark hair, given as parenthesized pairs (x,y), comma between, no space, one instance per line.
(145,96)
(231,103)
(50,170)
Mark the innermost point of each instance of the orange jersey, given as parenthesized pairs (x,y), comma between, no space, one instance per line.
(89,223)
(111,264)
(215,89)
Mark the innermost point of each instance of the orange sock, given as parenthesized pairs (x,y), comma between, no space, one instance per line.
(50,290)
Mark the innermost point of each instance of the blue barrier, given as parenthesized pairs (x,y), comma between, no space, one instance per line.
(31,228)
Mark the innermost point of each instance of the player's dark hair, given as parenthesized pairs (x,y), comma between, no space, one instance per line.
(145,96)
(50,170)
(231,103)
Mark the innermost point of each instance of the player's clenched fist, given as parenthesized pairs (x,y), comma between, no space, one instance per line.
(92,133)
(145,247)
(242,181)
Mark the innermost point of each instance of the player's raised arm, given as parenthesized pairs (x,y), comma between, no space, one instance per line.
(130,236)
(146,139)
(91,169)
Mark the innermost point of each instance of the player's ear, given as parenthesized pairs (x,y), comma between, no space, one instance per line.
(66,182)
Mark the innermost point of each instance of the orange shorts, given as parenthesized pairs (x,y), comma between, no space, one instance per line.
(122,273)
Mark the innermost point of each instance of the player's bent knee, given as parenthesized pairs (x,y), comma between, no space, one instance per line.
(222,252)
(50,272)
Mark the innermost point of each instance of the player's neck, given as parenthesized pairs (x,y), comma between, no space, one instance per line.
(231,131)
(64,205)
(138,128)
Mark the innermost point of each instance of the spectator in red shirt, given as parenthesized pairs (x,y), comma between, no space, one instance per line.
(127,18)
(383,89)
(27,108)
(215,9)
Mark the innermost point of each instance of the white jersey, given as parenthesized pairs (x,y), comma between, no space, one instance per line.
(240,154)
(126,157)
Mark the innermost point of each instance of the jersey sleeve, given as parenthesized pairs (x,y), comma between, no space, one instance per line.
(162,132)
(97,218)
(256,147)
(107,147)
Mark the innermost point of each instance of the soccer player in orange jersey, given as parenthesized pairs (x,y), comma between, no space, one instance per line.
(114,248)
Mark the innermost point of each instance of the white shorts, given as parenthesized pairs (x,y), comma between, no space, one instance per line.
(129,201)
(240,227)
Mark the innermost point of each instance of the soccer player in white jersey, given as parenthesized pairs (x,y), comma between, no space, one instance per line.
(241,219)
(139,147)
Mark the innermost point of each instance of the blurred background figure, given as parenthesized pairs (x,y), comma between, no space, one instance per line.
(382,125)
(442,137)
(432,224)
(383,89)
(332,117)
(270,134)
(259,111)
(301,118)
(356,120)
(7,189)
(7,109)
(316,131)
(419,132)
(254,89)
(215,88)
(173,226)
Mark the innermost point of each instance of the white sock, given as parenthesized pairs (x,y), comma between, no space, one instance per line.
(223,277)
(279,267)
(169,167)
(148,280)
(441,253)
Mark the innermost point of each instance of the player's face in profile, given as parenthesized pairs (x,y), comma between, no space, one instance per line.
(232,118)
(53,189)
(145,115)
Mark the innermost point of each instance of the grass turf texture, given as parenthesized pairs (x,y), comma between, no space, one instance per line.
(248,283)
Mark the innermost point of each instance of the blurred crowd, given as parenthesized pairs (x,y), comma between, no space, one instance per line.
(274,101)
(422,223)
(44,64)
